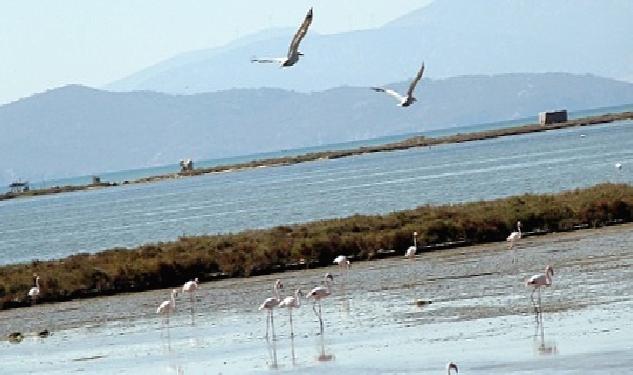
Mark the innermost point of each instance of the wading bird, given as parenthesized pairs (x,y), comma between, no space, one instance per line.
(292,302)
(293,51)
(514,236)
(537,281)
(408,99)
(343,263)
(451,366)
(412,249)
(618,165)
(319,293)
(34,292)
(270,303)
(191,287)
(167,307)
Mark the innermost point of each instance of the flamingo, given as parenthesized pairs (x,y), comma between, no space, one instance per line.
(319,293)
(190,287)
(34,292)
(451,366)
(343,263)
(514,236)
(412,249)
(292,302)
(537,281)
(168,307)
(293,54)
(270,303)
(407,99)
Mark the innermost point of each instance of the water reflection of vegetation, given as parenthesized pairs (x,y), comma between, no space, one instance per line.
(253,252)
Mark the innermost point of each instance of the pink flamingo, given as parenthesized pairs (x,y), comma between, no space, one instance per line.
(537,281)
(343,263)
(319,293)
(168,307)
(451,366)
(191,287)
(270,303)
(412,249)
(292,302)
(34,292)
(514,236)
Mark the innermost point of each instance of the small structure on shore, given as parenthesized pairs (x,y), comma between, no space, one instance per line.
(186,165)
(96,180)
(19,186)
(552,117)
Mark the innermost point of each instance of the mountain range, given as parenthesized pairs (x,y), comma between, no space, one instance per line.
(77,130)
(453,37)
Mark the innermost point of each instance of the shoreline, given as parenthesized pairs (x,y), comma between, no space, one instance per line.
(413,142)
(312,245)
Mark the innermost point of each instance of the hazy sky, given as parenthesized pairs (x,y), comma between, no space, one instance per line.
(46,43)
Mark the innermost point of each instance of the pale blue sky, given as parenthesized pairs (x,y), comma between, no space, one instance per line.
(46,43)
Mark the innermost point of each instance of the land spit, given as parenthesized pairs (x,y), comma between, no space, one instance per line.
(417,141)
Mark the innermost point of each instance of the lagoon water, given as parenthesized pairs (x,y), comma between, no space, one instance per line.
(58,225)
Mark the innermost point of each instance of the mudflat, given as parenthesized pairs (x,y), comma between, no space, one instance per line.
(480,317)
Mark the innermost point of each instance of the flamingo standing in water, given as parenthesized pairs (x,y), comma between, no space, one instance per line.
(292,302)
(537,281)
(319,293)
(191,287)
(514,236)
(270,303)
(343,263)
(451,366)
(168,307)
(34,292)
(412,249)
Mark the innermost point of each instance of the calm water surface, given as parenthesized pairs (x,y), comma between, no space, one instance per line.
(58,225)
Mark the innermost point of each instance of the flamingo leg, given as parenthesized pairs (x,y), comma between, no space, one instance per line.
(320,318)
(292,333)
(272,323)
(267,323)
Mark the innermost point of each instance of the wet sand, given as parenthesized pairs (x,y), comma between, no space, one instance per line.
(480,317)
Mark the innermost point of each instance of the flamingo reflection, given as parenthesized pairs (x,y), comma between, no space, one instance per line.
(543,347)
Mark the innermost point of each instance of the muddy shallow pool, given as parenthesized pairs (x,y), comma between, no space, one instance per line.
(480,318)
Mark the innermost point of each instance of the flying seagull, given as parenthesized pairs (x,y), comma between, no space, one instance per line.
(293,51)
(408,99)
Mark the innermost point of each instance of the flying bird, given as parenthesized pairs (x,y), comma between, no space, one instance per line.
(293,51)
(408,99)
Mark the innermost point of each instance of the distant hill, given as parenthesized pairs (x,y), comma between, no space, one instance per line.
(454,37)
(76,130)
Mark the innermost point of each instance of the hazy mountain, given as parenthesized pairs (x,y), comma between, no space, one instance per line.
(454,37)
(76,130)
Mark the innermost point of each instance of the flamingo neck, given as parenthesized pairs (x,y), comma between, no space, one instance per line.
(173,300)
(297,299)
(276,292)
(37,283)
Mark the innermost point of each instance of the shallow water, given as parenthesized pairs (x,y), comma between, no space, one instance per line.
(58,225)
(480,318)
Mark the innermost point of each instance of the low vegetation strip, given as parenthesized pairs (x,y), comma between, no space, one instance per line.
(418,141)
(314,244)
